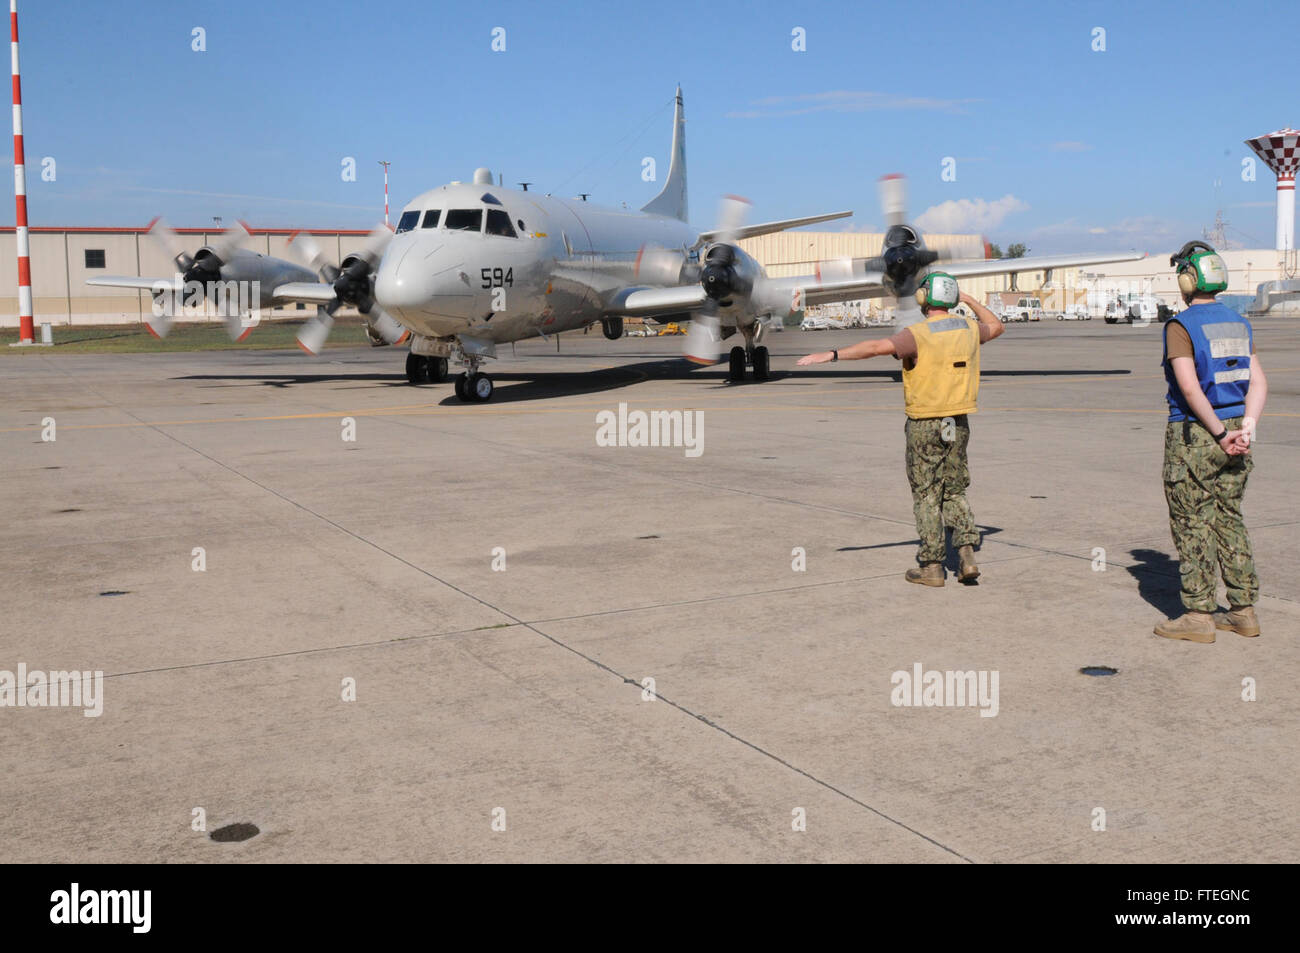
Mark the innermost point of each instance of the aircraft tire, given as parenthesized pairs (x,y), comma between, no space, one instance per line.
(461,390)
(417,369)
(479,388)
(762,364)
(436,369)
(736,369)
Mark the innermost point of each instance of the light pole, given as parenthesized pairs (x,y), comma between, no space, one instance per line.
(26,324)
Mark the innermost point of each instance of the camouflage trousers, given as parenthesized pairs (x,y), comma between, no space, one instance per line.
(1204,487)
(938,474)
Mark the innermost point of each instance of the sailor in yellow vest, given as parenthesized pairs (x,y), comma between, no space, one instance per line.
(941,378)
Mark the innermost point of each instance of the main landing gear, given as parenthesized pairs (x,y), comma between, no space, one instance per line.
(473,386)
(752,355)
(425,370)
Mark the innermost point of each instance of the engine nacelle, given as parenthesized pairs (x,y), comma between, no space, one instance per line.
(728,272)
(904,256)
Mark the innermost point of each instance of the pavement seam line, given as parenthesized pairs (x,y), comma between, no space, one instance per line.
(563,645)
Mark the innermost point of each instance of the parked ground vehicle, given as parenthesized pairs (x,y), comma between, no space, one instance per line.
(1140,308)
(1075,312)
(1026,308)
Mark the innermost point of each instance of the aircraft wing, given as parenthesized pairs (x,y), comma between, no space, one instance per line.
(1006,266)
(132,281)
(851,281)
(767,228)
(313,291)
(824,292)
(647,302)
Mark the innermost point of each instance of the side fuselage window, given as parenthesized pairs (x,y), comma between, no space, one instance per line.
(465,219)
(431,218)
(408,221)
(498,223)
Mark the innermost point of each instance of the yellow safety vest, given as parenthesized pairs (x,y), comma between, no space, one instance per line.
(946,376)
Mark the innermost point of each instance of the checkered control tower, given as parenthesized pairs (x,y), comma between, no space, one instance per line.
(1281,151)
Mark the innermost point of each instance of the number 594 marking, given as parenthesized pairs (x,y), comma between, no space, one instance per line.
(497,278)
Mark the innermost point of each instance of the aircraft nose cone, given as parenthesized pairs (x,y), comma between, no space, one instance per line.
(395,287)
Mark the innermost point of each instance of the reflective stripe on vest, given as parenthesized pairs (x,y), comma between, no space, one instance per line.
(944,382)
(1221,344)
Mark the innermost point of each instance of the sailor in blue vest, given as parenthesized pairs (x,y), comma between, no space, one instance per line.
(1216,393)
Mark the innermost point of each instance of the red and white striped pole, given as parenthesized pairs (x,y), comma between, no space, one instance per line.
(26,325)
(385,165)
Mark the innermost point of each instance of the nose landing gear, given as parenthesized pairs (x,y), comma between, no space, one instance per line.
(473,386)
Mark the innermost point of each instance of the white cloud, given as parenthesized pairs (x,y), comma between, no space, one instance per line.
(968,215)
(844,101)
(1146,233)
(866,227)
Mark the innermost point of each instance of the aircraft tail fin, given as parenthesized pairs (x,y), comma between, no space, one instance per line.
(671,200)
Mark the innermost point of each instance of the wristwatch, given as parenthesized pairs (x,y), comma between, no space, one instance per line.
(1220,436)
(835,356)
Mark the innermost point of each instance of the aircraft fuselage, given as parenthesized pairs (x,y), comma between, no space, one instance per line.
(501,265)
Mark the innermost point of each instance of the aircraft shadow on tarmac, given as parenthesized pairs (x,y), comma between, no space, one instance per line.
(293,380)
(1158,580)
(539,385)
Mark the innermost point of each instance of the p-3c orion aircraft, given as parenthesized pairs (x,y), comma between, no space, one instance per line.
(472,266)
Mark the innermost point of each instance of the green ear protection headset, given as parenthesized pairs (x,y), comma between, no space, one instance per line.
(1200,269)
(938,289)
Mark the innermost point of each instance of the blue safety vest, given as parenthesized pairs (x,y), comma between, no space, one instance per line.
(1221,346)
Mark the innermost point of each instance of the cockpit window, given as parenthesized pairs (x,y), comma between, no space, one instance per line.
(465,219)
(498,223)
(431,218)
(408,221)
(490,199)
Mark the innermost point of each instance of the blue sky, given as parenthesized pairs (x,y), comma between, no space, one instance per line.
(1055,145)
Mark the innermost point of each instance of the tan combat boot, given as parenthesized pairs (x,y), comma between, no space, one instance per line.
(931,574)
(1192,626)
(967,571)
(1241,620)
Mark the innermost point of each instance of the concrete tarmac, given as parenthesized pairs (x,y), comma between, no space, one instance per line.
(497,590)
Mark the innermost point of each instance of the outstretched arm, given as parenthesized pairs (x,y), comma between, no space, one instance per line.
(877,347)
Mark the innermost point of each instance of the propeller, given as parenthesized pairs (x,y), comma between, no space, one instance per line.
(904,255)
(353,282)
(203,267)
(721,279)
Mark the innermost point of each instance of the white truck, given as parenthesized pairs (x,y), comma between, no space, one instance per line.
(1026,308)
